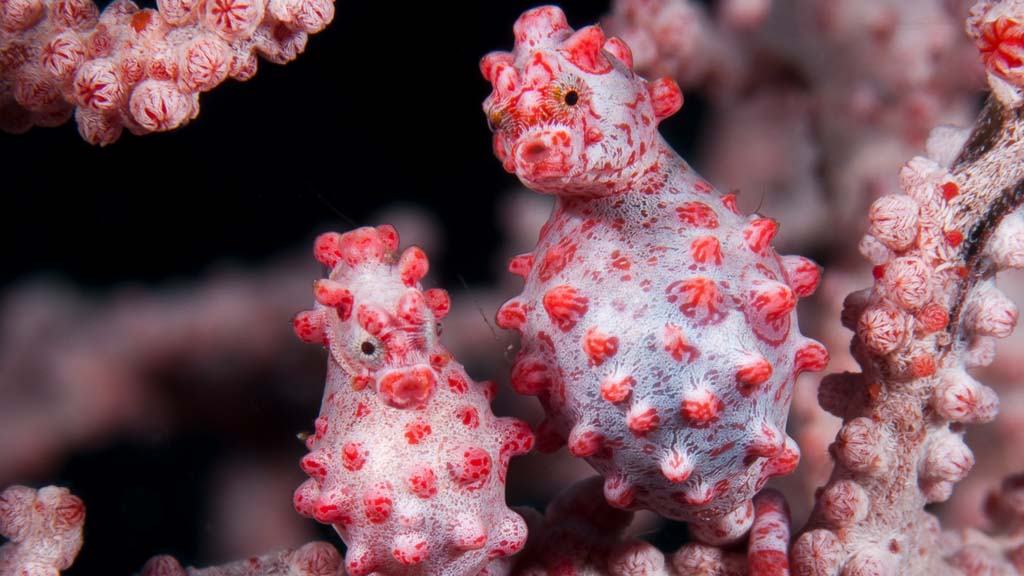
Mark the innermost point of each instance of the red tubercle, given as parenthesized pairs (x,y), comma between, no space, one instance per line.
(327,249)
(320,426)
(512,315)
(417,430)
(584,442)
(811,357)
(410,549)
(490,389)
(615,389)
(676,467)
(667,99)
(619,492)
(565,306)
(373,318)
(772,301)
(468,416)
(804,275)
(697,215)
(332,294)
(767,442)
(438,301)
(316,464)
(752,373)
(701,407)
(729,201)
(599,346)
(388,237)
(521,265)
(365,245)
(141,19)
(518,438)
(470,467)
(378,502)
(413,266)
(697,298)
(438,360)
(422,481)
(412,308)
(530,374)
(642,421)
(457,383)
(759,233)
(674,342)
(706,250)
(584,49)
(353,456)
(309,327)
(556,258)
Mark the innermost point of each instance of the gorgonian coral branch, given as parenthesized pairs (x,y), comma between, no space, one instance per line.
(44,528)
(313,559)
(140,69)
(931,315)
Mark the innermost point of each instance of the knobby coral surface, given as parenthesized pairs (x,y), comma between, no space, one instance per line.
(313,559)
(44,528)
(140,69)
(931,315)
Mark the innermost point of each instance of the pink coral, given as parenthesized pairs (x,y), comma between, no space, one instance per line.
(140,69)
(313,559)
(930,316)
(44,528)
(407,462)
(657,323)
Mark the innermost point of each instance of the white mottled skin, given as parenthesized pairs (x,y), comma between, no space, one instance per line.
(619,257)
(377,445)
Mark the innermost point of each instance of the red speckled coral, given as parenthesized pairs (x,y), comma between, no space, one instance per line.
(408,462)
(140,69)
(658,324)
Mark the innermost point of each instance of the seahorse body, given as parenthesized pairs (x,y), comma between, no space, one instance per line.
(658,324)
(407,461)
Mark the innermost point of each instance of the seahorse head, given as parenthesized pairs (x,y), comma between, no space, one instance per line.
(569,115)
(379,325)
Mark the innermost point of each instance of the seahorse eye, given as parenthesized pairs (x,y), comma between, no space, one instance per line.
(572,98)
(494,120)
(368,348)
